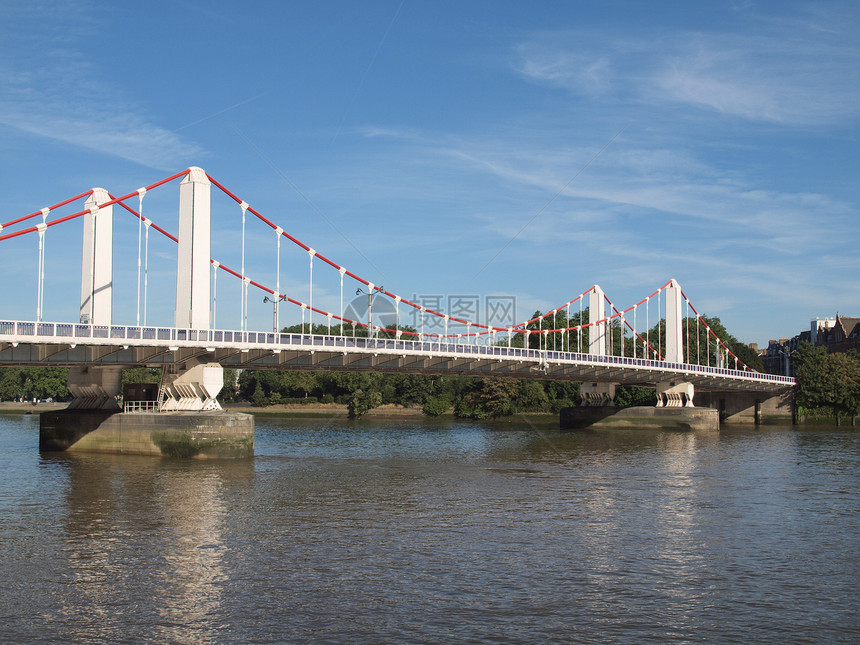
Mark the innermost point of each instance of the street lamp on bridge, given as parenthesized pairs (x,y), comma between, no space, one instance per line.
(275,302)
(370,295)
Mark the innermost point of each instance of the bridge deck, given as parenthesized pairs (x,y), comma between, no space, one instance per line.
(32,343)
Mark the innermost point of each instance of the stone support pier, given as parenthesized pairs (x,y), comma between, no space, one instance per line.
(159,434)
(639,418)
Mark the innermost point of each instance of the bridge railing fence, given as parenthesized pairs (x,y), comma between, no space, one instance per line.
(72,331)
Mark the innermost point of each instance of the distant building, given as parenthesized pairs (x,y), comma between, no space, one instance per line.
(842,336)
(777,357)
(839,334)
(819,326)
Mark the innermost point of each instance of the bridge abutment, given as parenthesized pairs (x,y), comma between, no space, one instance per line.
(749,407)
(200,435)
(639,417)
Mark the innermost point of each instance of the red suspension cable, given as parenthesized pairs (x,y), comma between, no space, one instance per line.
(115,200)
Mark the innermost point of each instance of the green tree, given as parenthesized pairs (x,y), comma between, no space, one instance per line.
(747,355)
(530,396)
(436,405)
(259,398)
(698,344)
(492,397)
(305,328)
(141,375)
(561,394)
(230,391)
(363,401)
(810,371)
(391,332)
(827,381)
(626,396)
(842,384)
(34,383)
(46,382)
(11,383)
(294,383)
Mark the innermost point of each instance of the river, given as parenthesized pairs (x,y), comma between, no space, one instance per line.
(437,532)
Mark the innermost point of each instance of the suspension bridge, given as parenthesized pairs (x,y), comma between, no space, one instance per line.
(661,341)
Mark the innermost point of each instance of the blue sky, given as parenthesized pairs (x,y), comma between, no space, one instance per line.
(430,147)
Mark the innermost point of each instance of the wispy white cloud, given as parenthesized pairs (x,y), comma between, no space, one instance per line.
(794,73)
(799,80)
(56,92)
(647,182)
(578,71)
(398,133)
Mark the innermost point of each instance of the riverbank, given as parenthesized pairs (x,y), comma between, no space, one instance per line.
(292,410)
(337,410)
(310,410)
(17,407)
(387,411)
(321,410)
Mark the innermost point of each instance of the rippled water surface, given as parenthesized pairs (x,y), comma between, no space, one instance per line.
(435,533)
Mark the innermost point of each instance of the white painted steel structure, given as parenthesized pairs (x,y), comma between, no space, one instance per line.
(32,343)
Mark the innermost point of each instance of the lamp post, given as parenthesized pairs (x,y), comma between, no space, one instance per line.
(274,310)
(370,295)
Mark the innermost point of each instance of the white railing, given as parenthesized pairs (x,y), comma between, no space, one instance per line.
(141,406)
(72,333)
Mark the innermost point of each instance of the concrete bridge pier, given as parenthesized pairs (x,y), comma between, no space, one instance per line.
(200,435)
(183,420)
